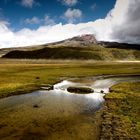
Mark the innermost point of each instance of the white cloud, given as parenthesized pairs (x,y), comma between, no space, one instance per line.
(72,15)
(6,35)
(69,2)
(121,24)
(126,21)
(27,3)
(33,20)
(46,34)
(48,21)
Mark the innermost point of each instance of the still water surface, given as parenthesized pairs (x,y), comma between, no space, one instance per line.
(56,114)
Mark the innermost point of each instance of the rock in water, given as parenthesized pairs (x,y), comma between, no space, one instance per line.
(80,90)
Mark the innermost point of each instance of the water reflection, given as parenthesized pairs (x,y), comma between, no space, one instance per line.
(55,114)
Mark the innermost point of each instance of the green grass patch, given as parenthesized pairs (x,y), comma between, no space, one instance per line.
(122,110)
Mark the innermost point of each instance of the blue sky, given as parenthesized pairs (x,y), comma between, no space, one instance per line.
(34,13)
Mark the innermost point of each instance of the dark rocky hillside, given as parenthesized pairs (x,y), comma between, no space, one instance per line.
(95,53)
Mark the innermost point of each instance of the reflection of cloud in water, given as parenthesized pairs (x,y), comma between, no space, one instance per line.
(91,102)
(57,109)
(64,85)
(61,99)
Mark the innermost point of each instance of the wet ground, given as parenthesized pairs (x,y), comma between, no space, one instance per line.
(56,114)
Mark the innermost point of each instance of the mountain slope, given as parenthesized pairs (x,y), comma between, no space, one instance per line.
(95,53)
(78,41)
(80,47)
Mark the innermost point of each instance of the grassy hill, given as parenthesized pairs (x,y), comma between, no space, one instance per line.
(81,47)
(95,52)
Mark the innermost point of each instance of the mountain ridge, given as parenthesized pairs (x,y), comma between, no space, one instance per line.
(79,47)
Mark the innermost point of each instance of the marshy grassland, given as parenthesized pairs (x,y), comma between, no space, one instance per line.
(22,76)
(119,117)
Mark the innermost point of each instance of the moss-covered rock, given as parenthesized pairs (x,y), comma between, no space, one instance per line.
(80,90)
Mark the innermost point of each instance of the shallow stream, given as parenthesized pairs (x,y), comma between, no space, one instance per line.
(56,114)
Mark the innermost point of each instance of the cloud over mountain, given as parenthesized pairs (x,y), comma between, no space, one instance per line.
(121,24)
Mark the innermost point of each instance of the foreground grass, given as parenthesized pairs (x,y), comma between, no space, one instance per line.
(17,78)
(120,118)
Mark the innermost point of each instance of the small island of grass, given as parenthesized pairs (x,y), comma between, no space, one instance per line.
(80,90)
